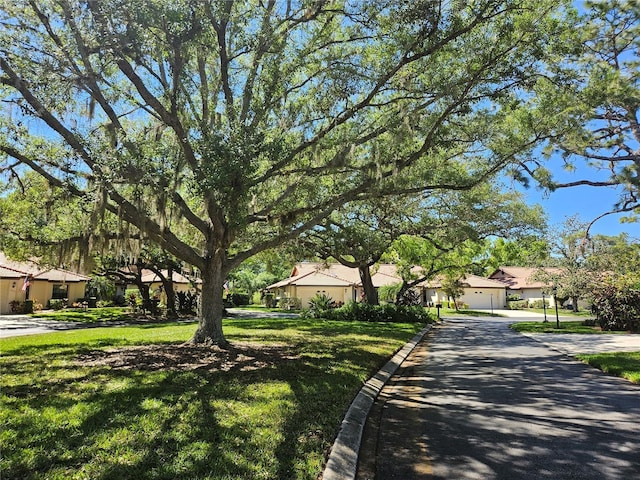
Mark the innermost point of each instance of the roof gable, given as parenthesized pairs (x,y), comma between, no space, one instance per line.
(336,274)
(149,276)
(517,278)
(14,269)
(469,281)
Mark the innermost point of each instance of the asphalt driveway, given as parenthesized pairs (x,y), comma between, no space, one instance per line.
(567,343)
(15,325)
(476,400)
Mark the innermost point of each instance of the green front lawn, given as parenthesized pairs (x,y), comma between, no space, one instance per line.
(562,312)
(134,402)
(565,327)
(621,364)
(90,315)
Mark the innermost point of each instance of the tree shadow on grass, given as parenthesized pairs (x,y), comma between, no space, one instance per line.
(162,411)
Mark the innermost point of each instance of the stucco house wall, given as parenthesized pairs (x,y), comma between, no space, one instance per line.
(42,283)
(479,293)
(10,290)
(340,283)
(519,281)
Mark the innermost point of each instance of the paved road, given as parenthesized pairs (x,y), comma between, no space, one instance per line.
(16,325)
(476,400)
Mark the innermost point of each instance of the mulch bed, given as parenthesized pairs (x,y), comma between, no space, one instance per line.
(185,357)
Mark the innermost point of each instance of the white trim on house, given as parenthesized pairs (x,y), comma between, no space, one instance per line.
(343,285)
(519,281)
(479,292)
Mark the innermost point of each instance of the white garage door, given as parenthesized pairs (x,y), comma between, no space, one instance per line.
(479,299)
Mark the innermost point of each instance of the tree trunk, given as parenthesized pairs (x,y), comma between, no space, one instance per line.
(574,304)
(403,288)
(370,292)
(209,331)
(143,289)
(167,284)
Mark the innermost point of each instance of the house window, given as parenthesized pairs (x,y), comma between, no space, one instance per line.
(60,291)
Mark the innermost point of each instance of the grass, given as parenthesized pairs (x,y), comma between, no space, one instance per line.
(562,312)
(63,417)
(621,364)
(565,327)
(262,308)
(91,315)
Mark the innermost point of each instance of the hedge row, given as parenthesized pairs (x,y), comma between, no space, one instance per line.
(365,312)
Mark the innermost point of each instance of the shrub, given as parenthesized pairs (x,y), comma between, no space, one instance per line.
(513,297)
(518,305)
(256,298)
(365,312)
(292,303)
(237,299)
(56,304)
(269,300)
(187,302)
(320,305)
(617,308)
(539,304)
(388,293)
(37,306)
(410,297)
(16,306)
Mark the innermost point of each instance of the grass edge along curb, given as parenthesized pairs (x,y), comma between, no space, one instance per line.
(342,462)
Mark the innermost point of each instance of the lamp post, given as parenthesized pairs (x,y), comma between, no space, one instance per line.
(544,307)
(555,301)
(492,304)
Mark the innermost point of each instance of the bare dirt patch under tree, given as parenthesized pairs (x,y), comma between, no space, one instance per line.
(185,357)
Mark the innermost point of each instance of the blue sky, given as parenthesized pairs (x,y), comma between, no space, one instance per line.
(588,203)
(585,201)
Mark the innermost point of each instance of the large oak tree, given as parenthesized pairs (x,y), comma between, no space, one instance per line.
(590,101)
(219,129)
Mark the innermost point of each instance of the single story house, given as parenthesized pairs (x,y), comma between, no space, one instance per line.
(20,281)
(335,280)
(343,285)
(180,282)
(520,281)
(479,293)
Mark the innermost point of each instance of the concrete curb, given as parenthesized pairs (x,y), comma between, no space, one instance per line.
(342,463)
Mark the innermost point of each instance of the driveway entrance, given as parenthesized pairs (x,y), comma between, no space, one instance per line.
(478,401)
